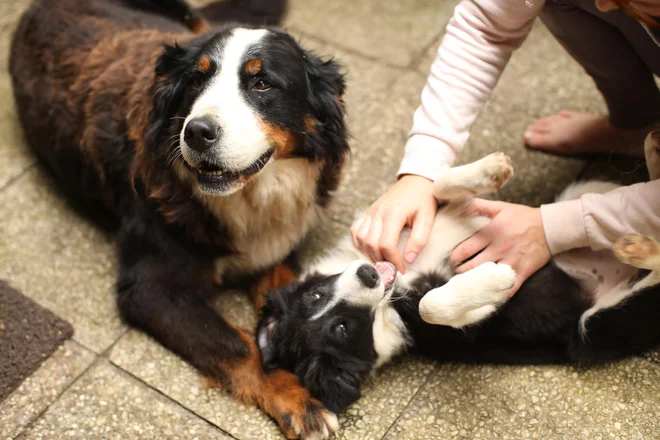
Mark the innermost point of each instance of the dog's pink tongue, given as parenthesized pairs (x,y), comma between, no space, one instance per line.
(387,272)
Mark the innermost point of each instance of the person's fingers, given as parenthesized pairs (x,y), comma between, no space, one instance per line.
(372,242)
(486,208)
(355,229)
(470,247)
(389,239)
(421,229)
(363,234)
(480,259)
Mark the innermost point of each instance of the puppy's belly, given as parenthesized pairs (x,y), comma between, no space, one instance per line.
(599,273)
(448,231)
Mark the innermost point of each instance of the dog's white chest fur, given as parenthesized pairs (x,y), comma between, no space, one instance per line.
(260,216)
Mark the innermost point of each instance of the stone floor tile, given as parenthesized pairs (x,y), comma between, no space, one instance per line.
(384,397)
(10,11)
(108,404)
(160,369)
(38,391)
(621,401)
(395,32)
(15,157)
(58,259)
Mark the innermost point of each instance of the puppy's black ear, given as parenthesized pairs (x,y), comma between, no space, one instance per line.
(272,328)
(336,386)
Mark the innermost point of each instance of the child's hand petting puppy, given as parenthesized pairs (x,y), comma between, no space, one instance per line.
(514,236)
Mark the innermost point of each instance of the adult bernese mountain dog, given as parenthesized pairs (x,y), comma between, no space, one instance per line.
(346,316)
(214,148)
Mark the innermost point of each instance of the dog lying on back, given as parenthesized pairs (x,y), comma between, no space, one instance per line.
(214,150)
(345,316)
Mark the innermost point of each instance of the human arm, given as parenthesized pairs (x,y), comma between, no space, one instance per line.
(478,43)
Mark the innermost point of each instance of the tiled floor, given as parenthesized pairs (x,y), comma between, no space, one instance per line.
(111,382)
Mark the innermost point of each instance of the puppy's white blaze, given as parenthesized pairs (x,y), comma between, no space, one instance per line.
(348,288)
(242,141)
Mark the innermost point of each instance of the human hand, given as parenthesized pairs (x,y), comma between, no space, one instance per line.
(408,202)
(514,236)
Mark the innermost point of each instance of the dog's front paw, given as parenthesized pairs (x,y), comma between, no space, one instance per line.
(469,297)
(496,170)
(295,410)
(638,251)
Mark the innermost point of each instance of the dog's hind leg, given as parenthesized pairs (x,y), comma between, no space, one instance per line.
(621,325)
(484,176)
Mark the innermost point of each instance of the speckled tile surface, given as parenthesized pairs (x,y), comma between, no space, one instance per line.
(464,402)
(108,404)
(396,32)
(384,396)
(58,259)
(43,387)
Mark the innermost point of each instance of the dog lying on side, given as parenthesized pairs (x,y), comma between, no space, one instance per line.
(345,316)
(214,150)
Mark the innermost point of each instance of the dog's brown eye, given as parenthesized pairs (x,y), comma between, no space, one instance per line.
(342,329)
(197,82)
(317,295)
(261,85)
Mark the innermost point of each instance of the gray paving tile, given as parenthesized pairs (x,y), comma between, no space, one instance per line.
(106,403)
(14,154)
(395,32)
(58,259)
(169,374)
(614,401)
(38,391)
(384,398)
(10,11)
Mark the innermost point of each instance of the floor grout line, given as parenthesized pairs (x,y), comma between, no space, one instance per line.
(348,50)
(15,178)
(179,404)
(419,390)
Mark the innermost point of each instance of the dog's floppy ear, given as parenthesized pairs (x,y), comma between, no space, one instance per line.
(325,91)
(272,314)
(336,386)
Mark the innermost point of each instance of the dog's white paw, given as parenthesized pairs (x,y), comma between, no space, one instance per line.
(652,152)
(458,302)
(496,171)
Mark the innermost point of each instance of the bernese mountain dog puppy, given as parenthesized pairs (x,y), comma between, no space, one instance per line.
(214,150)
(346,316)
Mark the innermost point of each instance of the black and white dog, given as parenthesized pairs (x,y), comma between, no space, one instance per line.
(346,316)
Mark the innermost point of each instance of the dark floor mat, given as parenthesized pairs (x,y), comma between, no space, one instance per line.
(28,335)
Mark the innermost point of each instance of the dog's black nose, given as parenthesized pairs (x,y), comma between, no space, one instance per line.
(201,133)
(368,275)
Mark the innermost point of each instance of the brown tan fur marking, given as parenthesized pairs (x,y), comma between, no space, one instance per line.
(279,393)
(282,139)
(204,64)
(253,67)
(279,276)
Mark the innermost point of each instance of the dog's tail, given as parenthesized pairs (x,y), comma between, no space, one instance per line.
(199,20)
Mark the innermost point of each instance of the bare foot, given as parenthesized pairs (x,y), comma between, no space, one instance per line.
(570,132)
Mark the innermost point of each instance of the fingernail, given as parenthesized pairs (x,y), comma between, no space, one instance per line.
(527,136)
(410,258)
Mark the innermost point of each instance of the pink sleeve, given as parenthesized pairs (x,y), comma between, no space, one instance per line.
(478,43)
(599,220)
